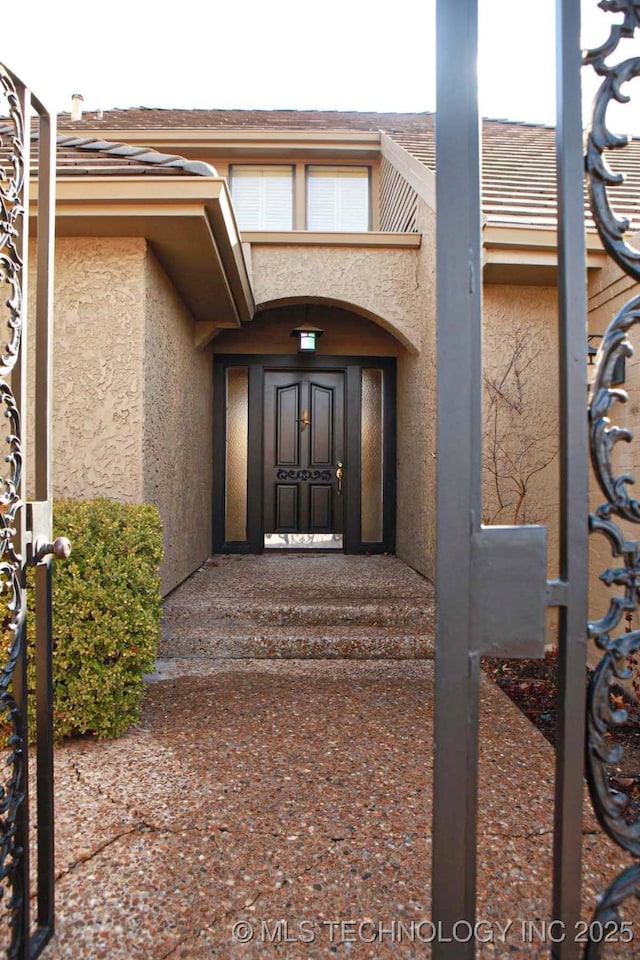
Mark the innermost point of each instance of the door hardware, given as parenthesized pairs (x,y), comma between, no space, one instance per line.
(305,419)
(339,475)
(60,549)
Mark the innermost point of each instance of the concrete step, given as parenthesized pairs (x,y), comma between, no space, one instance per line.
(300,607)
(245,613)
(301,643)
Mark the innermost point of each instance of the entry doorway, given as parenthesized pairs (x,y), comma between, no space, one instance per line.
(304,453)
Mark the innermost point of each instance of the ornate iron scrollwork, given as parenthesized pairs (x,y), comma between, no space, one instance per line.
(12,213)
(304,475)
(610,227)
(12,627)
(609,804)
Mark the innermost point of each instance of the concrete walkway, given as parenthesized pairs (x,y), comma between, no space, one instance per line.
(287,802)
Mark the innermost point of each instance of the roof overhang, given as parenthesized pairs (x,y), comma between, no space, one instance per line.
(247,143)
(189,224)
(528,256)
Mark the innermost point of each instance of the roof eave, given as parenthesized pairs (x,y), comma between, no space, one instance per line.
(528,254)
(198,143)
(189,224)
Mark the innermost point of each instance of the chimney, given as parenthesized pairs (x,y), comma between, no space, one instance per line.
(76,106)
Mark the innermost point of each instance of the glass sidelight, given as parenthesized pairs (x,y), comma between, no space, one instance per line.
(236,454)
(371,456)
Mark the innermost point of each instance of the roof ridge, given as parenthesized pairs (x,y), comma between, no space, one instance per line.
(141,154)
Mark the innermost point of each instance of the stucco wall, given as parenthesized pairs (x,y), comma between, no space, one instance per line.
(507,310)
(381,282)
(417,413)
(132,397)
(397,287)
(177,434)
(98,368)
(523,321)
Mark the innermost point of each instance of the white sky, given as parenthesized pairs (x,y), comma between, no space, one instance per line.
(340,54)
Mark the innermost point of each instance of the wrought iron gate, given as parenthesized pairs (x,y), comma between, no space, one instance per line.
(492,586)
(25,528)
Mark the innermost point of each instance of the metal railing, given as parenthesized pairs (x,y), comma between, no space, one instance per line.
(25,534)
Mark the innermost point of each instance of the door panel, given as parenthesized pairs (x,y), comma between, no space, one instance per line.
(287,508)
(321,408)
(288,435)
(303,442)
(321,504)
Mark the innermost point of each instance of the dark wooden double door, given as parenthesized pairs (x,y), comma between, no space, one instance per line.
(304,454)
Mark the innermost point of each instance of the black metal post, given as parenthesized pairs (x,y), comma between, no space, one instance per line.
(44,754)
(459,500)
(574,472)
(43,492)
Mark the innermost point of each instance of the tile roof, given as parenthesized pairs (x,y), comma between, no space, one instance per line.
(149,118)
(518,173)
(518,158)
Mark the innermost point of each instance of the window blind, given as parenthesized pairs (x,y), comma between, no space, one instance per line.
(262,197)
(338,199)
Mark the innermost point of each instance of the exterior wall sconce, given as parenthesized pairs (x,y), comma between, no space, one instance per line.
(307,337)
(619,371)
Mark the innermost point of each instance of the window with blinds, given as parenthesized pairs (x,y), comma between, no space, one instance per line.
(262,197)
(338,198)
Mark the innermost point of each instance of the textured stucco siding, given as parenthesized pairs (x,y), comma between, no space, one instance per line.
(396,289)
(379,282)
(132,397)
(417,415)
(506,310)
(177,433)
(525,318)
(98,368)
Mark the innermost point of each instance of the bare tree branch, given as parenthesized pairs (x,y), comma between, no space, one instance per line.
(519,439)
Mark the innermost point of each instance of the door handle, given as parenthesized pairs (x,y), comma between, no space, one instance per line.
(305,420)
(339,475)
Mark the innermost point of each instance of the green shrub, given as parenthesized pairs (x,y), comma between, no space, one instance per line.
(106,614)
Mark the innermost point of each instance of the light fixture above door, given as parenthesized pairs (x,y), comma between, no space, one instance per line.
(307,337)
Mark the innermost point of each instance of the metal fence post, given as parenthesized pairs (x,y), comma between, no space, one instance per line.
(574,474)
(459,499)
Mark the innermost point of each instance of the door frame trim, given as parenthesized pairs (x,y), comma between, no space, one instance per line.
(351,366)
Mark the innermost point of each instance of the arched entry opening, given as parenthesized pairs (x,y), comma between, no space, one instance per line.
(305,443)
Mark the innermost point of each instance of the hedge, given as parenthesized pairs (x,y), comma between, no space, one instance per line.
(106,615)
